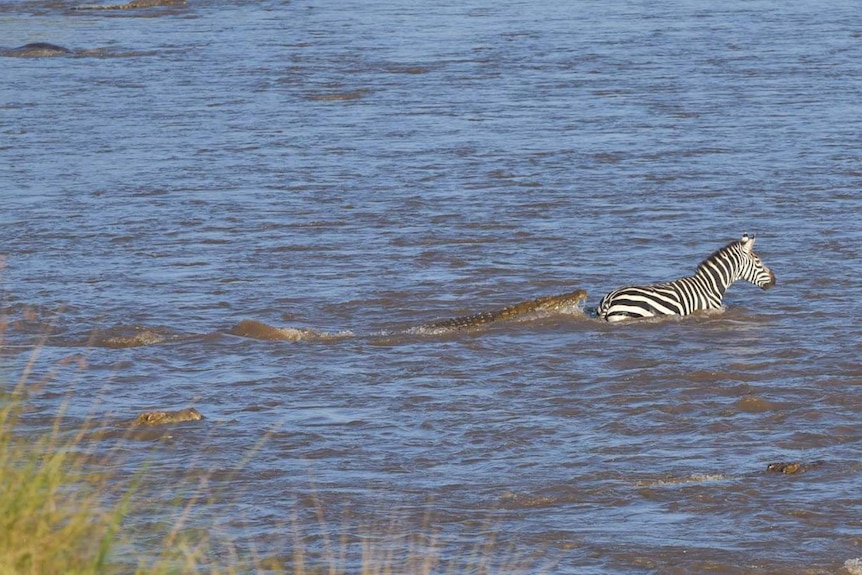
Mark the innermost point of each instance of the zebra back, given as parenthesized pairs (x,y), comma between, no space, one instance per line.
(702,291)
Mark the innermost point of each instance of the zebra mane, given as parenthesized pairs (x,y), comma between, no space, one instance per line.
(728,247)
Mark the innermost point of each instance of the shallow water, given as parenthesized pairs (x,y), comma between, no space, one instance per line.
(367,167)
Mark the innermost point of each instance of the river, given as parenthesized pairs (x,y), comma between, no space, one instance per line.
(357,168)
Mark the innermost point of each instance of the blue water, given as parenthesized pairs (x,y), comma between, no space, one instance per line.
(368,166)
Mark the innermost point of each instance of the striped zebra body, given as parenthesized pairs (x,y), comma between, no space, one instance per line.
(702,291)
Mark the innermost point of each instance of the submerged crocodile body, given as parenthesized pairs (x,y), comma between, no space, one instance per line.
(561,303)
(792,467)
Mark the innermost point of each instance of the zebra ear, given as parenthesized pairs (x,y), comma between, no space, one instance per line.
(747,242)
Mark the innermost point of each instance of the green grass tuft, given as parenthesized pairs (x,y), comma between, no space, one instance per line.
(52,513)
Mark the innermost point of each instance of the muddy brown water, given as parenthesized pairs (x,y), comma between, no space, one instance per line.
(369,166)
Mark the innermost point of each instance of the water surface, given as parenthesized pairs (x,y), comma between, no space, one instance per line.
(371,166)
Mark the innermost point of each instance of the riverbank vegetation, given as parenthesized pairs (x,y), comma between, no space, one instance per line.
(64,509)
(53,517)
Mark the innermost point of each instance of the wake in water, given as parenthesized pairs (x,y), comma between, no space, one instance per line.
(128,336)
(133,336)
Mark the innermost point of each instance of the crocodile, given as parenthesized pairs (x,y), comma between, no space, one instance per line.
(566,303)
(150,418)
(253,329)
(143,427)
(561,303)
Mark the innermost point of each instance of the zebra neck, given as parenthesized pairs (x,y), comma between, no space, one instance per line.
(713,279)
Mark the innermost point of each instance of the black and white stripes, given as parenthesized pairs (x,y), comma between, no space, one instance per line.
(704,290)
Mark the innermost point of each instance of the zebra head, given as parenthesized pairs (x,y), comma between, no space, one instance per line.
(751,269)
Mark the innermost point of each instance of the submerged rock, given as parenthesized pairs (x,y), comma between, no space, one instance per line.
(133,5)
(35,50)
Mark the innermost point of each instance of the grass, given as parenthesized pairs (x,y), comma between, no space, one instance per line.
(58,515)
(62,511)
(52,513)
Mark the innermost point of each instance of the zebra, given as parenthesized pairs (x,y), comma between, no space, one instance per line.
(702,291)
